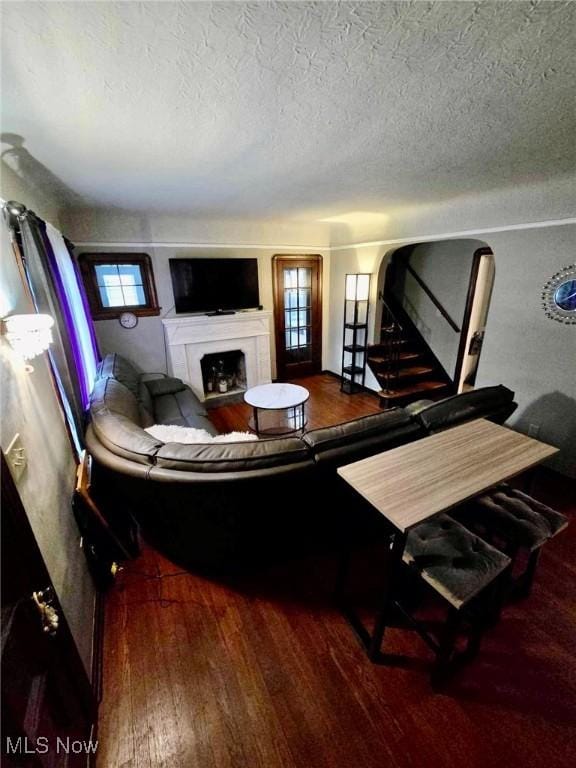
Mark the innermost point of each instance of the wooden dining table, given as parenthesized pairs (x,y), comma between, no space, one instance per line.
(415,482)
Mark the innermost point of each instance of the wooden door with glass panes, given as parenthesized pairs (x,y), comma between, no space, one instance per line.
(297,315)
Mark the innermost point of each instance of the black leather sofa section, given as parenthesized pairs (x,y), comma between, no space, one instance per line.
(218,504)
(354,440)
(160,399)
(493,403)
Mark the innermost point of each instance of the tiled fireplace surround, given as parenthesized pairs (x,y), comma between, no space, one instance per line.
(190,337)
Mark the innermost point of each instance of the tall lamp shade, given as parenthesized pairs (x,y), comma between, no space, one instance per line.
(357,287)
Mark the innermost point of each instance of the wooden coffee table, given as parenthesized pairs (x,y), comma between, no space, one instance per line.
(290,398)
(410,484)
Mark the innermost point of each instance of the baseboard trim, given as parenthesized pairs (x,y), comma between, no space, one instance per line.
(361,388)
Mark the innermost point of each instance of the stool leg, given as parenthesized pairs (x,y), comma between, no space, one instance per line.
(527,578)
(446,649)
(394,561)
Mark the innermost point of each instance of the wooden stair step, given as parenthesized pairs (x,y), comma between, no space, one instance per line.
(402,356)
(411,372)
(419,388)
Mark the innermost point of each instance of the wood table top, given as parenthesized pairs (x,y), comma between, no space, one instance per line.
(416,481)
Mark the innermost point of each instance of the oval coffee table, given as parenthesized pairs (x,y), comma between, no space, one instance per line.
(278,397)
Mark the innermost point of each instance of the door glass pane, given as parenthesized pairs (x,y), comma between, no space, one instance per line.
(304,297)
(290,277)
(304,277)
(303,336)
(291,298)
(304,317)
(292,320)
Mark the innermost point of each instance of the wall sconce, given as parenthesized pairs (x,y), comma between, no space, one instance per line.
(357,287)
(29,335)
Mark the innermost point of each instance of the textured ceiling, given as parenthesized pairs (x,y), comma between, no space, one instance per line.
(306,110)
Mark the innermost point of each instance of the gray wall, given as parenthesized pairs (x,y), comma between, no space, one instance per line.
(523,349)
(144,345)
(532,355)
(28,405)
(445,267)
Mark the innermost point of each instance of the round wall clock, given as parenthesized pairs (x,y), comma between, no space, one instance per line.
(128,320)
(559,296)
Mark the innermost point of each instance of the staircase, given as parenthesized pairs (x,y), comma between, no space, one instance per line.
(404,364)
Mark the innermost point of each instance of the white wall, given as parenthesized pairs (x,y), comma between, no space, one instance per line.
(28,405)
(353,260)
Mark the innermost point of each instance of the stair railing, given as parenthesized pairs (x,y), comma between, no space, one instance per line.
(391,333)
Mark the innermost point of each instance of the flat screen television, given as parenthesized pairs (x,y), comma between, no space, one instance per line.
(210,285)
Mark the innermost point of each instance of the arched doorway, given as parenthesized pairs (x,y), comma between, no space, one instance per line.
(435,298)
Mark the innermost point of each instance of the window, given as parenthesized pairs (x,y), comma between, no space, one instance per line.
(116,282)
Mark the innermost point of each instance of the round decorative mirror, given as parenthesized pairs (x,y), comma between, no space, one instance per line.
(559,296)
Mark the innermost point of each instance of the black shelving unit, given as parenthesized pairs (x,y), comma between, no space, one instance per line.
(354,342)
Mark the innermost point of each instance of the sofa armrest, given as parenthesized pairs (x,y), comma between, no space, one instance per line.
(166,386)
(146,376)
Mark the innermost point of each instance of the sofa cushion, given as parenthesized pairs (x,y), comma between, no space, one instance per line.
(351,440)
(486,402)
(117,367)
(182,409)
(115,397)
(164,386)
(116,417)
(146,405)
(233,457)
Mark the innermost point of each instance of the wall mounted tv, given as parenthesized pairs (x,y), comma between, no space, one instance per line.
(211,285)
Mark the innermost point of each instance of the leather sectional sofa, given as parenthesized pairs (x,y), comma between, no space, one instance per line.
(221,504)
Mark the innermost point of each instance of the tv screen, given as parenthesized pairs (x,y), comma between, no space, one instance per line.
(207,285)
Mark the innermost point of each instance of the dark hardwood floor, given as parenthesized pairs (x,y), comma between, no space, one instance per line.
(326,406)
(260,671)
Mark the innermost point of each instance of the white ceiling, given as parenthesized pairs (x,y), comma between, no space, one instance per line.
(296,109)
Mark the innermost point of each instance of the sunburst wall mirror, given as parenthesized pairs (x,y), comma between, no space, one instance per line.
(559,296)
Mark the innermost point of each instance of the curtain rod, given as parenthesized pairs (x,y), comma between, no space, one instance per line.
(13,209)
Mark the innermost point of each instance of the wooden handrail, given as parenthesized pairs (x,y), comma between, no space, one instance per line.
(433,299)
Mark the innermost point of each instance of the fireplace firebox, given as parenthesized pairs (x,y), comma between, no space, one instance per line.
(223,373)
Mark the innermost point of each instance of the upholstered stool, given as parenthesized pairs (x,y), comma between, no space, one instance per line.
(465,571)
(514,521)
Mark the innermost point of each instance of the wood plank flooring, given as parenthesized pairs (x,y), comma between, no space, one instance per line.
(260,671)
(327,406)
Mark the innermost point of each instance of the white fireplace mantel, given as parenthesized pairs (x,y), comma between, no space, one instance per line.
(190,337)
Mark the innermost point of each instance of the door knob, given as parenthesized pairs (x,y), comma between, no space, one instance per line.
(48,616)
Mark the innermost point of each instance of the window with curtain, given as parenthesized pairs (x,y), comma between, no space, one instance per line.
(56,289)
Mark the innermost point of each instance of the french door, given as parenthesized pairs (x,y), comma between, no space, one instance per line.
(297,315)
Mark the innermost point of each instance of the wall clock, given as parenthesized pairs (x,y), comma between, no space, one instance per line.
(559,296)
(128,320)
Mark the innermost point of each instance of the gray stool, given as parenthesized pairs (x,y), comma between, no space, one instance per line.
(468,573)
(518,522)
